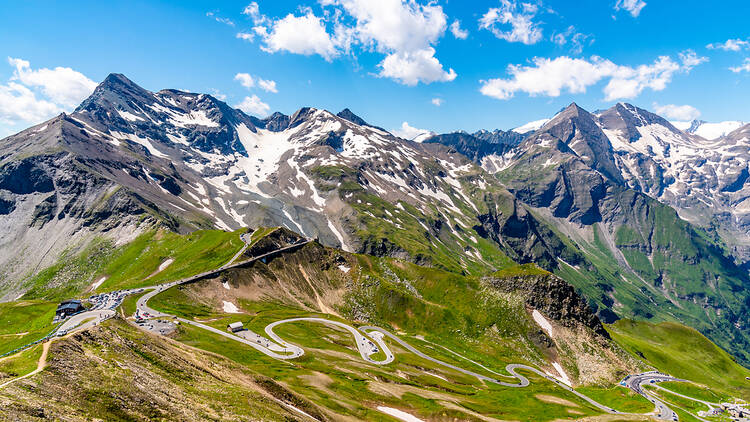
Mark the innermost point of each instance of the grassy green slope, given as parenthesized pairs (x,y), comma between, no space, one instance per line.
(333,375)
(130,265)
(683,352)
(701,286)
(24,322)
(436,235)
(674,272)
(193,253)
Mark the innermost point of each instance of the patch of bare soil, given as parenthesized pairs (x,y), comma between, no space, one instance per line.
(556,400)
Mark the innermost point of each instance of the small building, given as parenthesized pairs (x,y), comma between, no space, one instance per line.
(235,327)
(68,308)
(736,410)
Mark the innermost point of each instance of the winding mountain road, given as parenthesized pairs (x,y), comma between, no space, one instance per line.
(635,383)
(368,339)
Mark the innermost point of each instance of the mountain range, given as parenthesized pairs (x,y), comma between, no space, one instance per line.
(646,220)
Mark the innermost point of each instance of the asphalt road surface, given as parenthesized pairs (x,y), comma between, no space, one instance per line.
(635,383)
(366,346)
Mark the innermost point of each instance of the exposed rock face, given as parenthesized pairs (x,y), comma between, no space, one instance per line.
(526,238)
(552,296)
(572,336)
(50,203)
(575,130)
(189,161)
(479,144)
(279,238)
(703,179)
(469,145)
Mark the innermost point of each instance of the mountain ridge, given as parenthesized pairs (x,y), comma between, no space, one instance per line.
(558,196)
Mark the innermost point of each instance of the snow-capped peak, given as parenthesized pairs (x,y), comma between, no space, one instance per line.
(530,126)
(706,130)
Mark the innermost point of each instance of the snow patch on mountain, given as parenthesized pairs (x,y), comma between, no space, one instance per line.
(531,126)
(138,140)
(706,130)
(129,116)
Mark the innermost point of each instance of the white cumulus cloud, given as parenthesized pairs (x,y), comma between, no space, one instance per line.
(437,102)
(249,81)
(253,11)
(633,7)
(410,68)
(677,112)
(628,82)
(254,105)
(394,25)
(31,96)
(246,36)
(304,35)
(744,67)
(551,77)
(245,79)
(62,85)
(411,133)
(403,30)
(520,18)
(730,45)
(457,32)
(267,85)
(18,104)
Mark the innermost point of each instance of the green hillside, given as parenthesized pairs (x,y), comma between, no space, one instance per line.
(134,264)
(683,352)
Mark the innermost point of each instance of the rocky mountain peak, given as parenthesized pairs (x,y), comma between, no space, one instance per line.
(633,116)
(116,90)
(570,115)
(576,130)
(498,136)
(275,122)
(741,134)
(302,115)
(350,116)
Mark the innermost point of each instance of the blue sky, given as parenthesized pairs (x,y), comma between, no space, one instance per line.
(346,53)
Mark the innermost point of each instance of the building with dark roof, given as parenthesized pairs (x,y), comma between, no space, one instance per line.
(69,307)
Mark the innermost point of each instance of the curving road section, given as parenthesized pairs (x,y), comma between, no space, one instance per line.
(710,405)
(366,346)
(368,339)
(635,383)
(511,368)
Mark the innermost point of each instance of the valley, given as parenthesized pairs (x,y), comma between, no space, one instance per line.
(438,363)
(316,267)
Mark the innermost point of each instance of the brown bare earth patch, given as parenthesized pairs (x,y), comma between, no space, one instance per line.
(453,406)
(398,390)
(555,400)
(308,279)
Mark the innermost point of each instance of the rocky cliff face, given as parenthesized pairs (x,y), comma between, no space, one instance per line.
(571,332)
(705,180)
(54,202)
(480,144)
(553,297)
